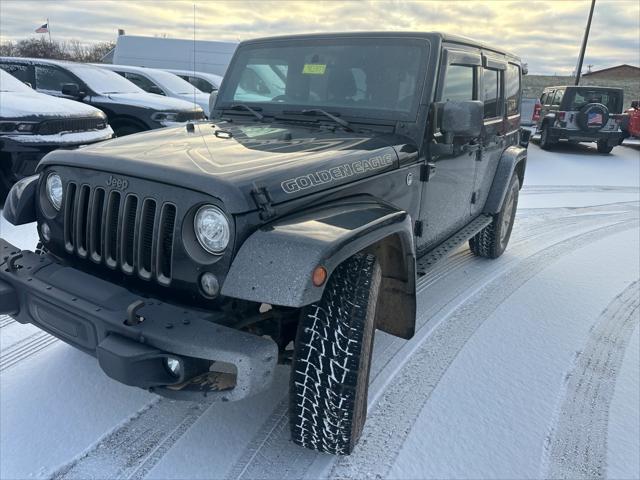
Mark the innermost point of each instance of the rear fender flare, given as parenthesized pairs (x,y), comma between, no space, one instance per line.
(275,264)
(513,160)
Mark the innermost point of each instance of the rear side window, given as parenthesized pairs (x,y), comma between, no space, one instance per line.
(491,93)
(578,98)
(512,89)
(52,78)
(458,83)
(557,98)
(143,82)
(24,73)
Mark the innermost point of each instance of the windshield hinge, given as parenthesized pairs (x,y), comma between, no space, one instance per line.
(263,201)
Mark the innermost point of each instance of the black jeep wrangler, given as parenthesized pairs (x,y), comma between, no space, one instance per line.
(192,260)
(580,114)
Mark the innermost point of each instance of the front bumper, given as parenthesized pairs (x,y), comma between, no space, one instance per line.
(130,335)
(612,137)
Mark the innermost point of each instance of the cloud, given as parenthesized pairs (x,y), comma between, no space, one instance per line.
(546,34)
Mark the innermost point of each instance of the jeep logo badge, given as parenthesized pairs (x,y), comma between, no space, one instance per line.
(118,183)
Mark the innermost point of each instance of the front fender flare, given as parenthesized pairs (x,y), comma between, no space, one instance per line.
(20,205)
(275,264)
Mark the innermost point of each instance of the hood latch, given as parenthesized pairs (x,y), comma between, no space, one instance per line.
(263,201)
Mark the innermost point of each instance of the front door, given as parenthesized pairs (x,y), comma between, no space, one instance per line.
(446,196)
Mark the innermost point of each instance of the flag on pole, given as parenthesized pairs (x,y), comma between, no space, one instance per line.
(43,29)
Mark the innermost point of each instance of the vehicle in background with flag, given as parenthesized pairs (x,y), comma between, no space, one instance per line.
(33,124)
(580,114)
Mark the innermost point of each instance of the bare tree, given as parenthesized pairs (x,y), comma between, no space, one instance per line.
(59,50)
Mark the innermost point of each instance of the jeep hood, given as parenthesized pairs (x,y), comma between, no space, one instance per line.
(229,161)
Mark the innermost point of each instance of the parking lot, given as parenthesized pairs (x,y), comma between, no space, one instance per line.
(513,361)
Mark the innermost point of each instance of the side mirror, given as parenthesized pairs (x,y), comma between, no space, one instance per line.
(461,119)
(72,90)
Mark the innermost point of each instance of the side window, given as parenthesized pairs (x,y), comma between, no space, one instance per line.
(491,93)
(458,83)
(543,98)
(557,98)
(143,82)
(52,78)
(512,89)
(24,73)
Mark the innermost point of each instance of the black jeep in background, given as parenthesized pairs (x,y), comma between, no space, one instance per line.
(580,114)
(191,261)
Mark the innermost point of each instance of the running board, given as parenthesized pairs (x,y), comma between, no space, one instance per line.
(442,251)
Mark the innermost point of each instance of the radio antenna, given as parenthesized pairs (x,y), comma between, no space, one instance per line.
(194,55)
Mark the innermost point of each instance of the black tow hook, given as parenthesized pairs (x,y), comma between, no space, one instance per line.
(11,262)
(133,318)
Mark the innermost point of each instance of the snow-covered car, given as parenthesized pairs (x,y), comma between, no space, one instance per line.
(128,108)
(32,124)
(203,81)
(160,82)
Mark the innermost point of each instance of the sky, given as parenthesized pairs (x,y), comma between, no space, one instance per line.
(545,34)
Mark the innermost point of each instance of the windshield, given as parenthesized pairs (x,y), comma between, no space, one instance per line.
(103,81)
(9,83)
(172,82)
(578,98)
(358,76)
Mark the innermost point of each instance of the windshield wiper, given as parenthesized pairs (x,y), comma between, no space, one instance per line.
(243,106)
(339,121)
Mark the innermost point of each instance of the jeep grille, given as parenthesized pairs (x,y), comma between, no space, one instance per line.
(121,231)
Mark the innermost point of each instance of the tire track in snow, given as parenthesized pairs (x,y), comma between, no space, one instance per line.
(5,320)
(120,453)
(577,446)
(399,406)
(131,450)
(260,458)
(25,348)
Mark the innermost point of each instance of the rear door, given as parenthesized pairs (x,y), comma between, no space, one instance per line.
(447,194)
(502,90)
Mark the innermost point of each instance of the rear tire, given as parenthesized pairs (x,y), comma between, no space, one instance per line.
(492,240)
(545,138)
(332,357)
(604,147)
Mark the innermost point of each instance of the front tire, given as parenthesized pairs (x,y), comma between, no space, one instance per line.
(332,357)
(604,147)
(492,240)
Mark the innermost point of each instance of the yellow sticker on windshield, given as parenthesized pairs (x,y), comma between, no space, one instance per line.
(314,68)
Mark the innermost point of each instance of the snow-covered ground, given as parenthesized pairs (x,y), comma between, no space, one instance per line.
(523,367)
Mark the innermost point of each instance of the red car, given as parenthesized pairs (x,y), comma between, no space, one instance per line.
(630,125)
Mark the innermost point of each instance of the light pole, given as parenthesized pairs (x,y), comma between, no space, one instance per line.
(584,43)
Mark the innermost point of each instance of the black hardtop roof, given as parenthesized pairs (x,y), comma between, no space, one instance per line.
(586,87)
(444,37)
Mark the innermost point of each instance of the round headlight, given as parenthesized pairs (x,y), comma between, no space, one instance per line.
(212,229)
(54,190)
